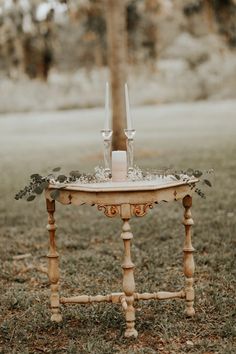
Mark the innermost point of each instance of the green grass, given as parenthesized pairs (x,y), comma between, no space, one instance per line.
(91,253)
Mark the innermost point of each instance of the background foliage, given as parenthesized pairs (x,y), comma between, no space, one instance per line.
(36,35)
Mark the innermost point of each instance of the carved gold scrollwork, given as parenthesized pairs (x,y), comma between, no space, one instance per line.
(109,210)
(141,209)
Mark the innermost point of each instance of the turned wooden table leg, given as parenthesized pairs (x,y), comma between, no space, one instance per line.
(128,281)
(53,264)
(188,257)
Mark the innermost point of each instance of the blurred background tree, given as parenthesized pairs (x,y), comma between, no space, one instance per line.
(187,43)
(117,60)
(26,38)
(37,34)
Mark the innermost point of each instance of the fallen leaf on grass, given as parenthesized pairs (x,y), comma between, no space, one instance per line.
(29,267)
(21,256)
(189,342)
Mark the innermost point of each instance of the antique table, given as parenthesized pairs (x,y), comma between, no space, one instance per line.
(125,199)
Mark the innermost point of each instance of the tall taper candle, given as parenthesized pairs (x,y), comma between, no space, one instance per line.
(127,105)
(107,108)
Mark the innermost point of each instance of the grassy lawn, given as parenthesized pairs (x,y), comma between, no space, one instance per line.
(91,250)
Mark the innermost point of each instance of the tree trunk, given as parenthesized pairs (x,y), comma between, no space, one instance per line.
(117,46)
(209,15)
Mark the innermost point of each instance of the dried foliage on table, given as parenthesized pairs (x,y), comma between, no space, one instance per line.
(39,183)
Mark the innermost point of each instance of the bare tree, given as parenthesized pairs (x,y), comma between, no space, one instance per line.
(117,50)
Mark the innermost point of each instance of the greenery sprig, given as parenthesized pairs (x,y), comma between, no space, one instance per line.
(39,183)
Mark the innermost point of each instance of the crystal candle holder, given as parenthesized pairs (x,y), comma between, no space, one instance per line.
(106,135)
(130,133)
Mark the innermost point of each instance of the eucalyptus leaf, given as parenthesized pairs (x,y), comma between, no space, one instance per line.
(38,190)
(30,198)
(56,169)
(75,174)
(189,172)
(207,182)
(197,173)
(44,184)
(55,194)
(35,175)
(61,178)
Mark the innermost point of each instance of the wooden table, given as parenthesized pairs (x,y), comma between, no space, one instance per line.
(126,200)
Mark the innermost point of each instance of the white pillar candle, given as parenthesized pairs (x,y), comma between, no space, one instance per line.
(119,166)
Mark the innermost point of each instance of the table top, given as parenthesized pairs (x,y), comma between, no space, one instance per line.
(123,186)
(121,193)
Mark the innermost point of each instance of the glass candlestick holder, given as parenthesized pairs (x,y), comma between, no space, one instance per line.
(106,135)
(130,133)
